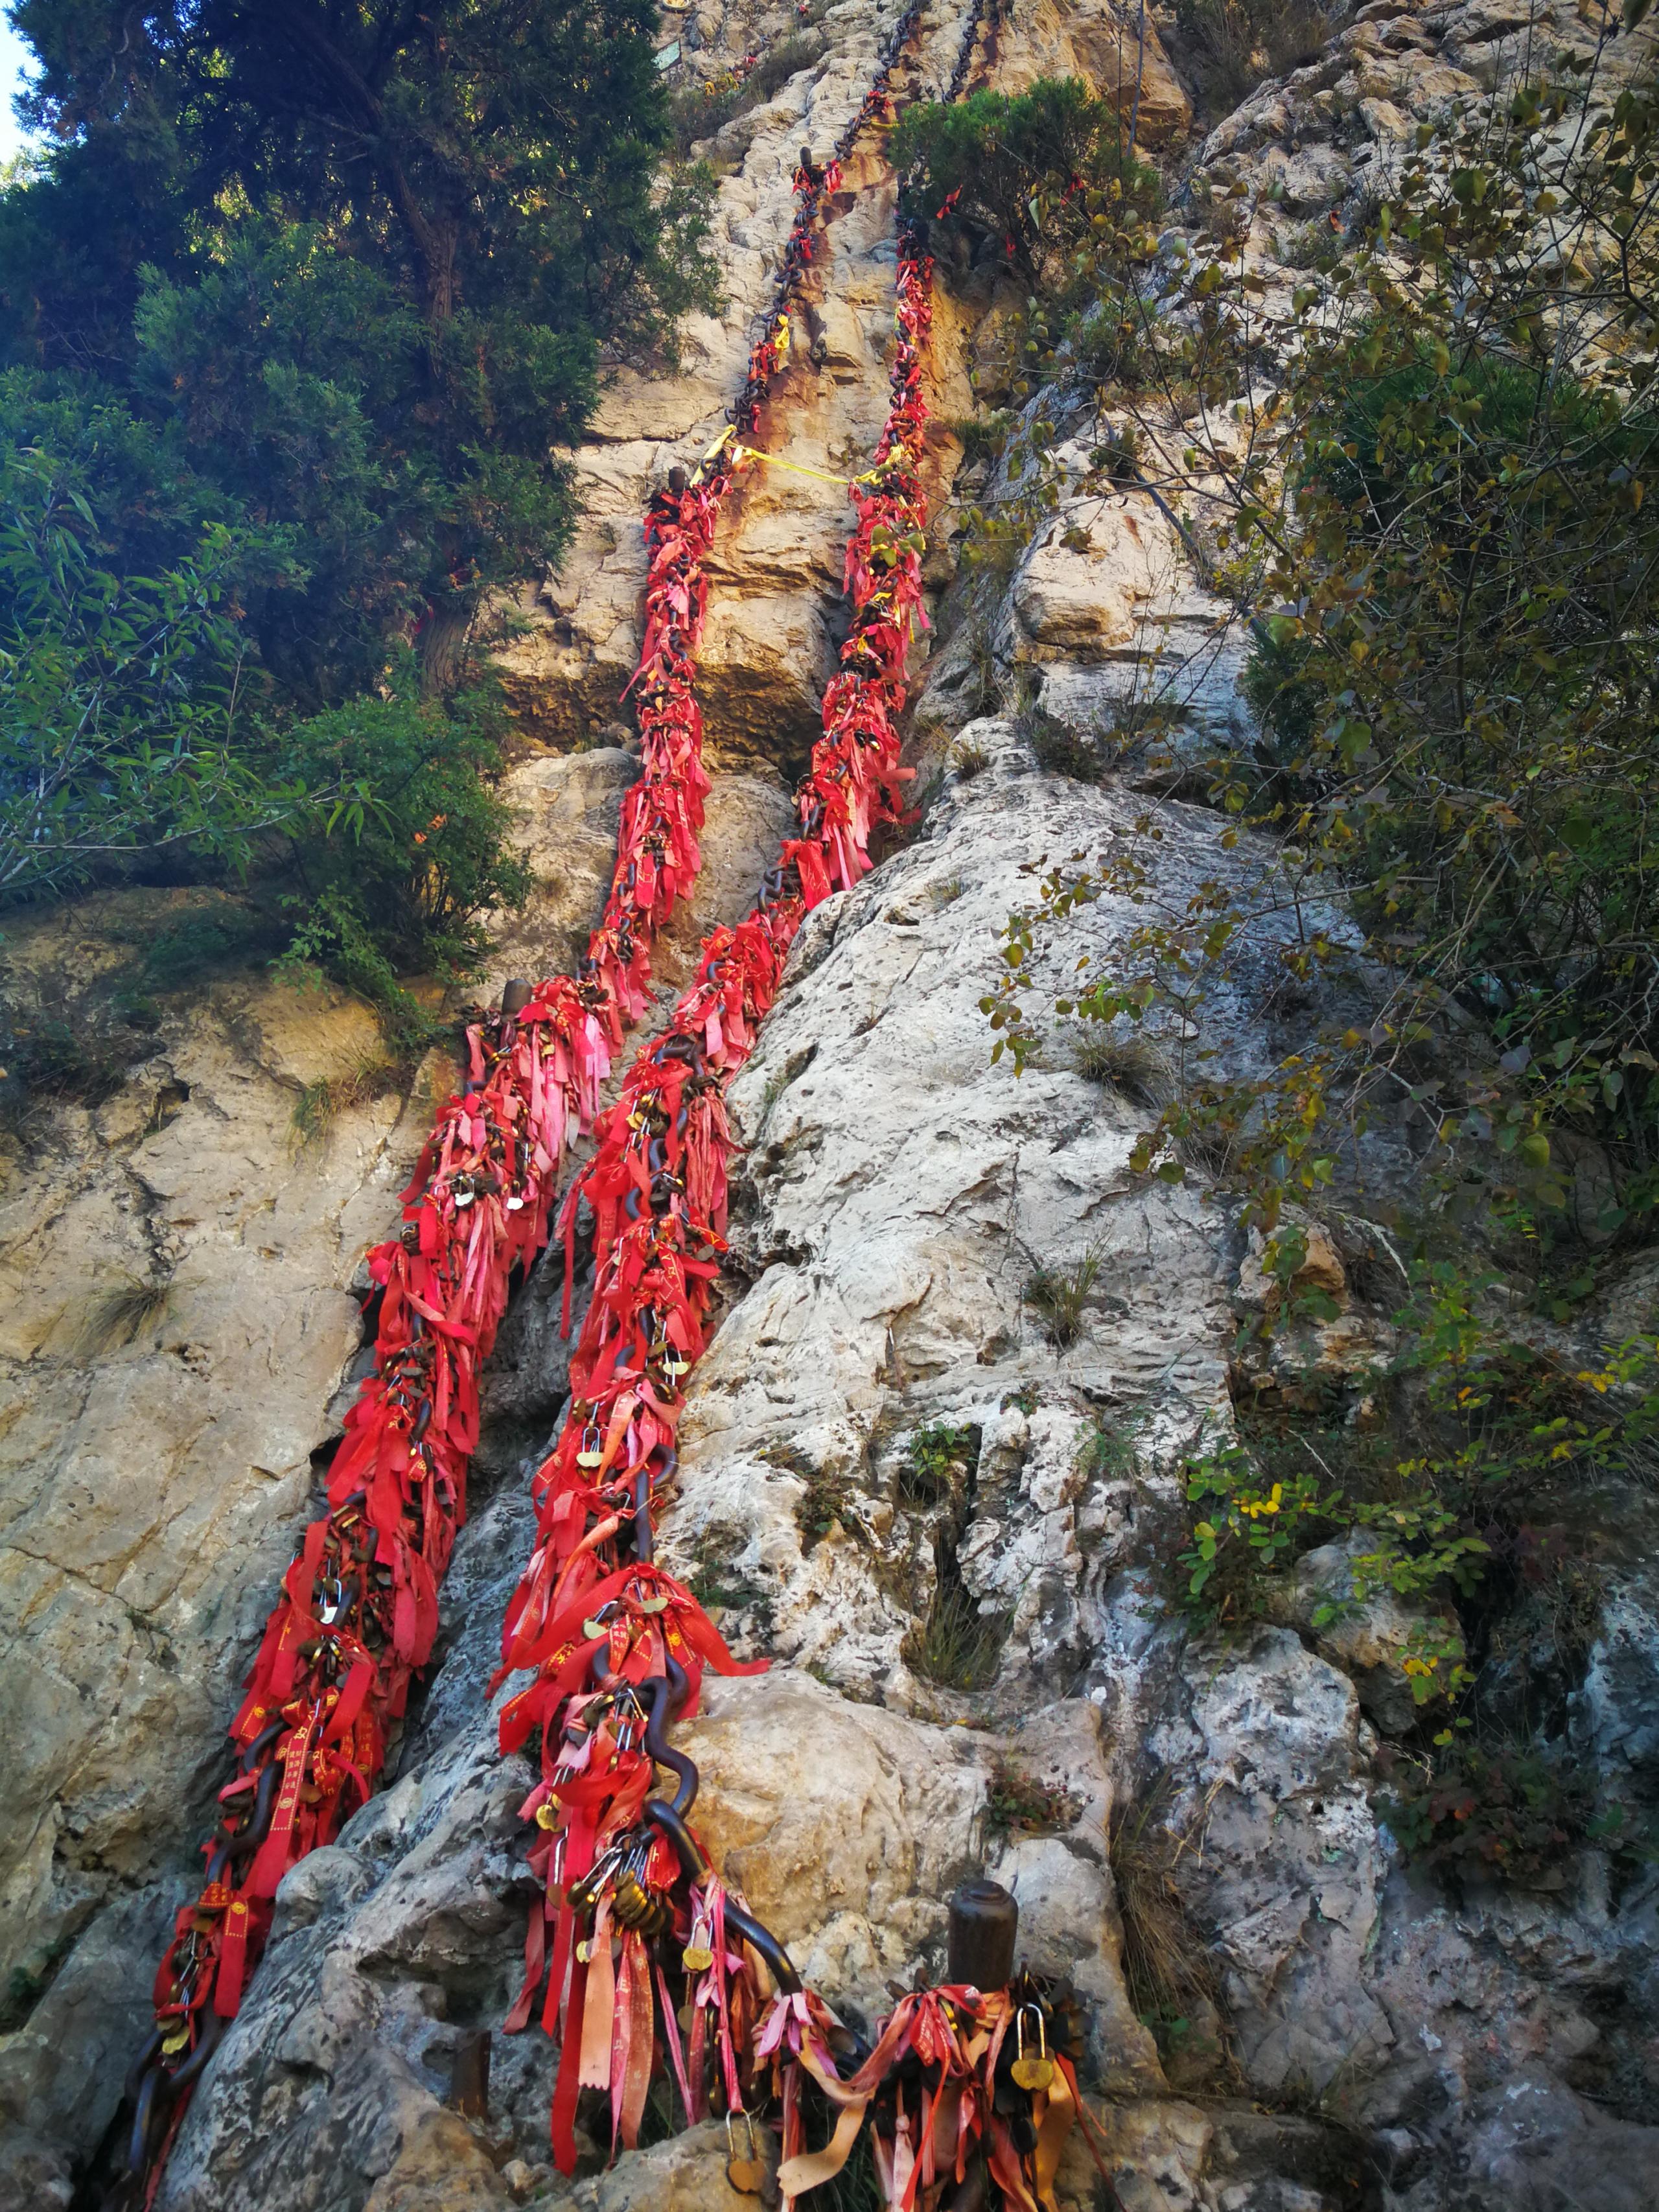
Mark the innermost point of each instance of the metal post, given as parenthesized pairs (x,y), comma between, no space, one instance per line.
(469,2076)
(516,995)
(984,1923)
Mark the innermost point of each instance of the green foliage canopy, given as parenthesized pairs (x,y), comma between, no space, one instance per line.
(297,310)
(1045,175)
(370,256)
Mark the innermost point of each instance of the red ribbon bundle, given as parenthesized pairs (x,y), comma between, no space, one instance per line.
(617,1649)
(358,1609)
(938,2091)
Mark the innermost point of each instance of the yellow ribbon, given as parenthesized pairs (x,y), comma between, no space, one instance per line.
(777,461)
(799,468)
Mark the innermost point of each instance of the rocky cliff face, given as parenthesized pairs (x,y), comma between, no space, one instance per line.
(885,1447)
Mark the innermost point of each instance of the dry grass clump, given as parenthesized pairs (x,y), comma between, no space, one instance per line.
(1127,1061)
(121,1314)
(956,1646)
(1167,1965)
(320,1104)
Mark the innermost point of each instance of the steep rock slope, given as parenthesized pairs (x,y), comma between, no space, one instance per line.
(1358,2039)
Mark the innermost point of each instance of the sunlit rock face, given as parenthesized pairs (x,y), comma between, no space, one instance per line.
(948,1521)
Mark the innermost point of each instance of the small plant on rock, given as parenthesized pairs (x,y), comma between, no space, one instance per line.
(823,1505)
(958,1646)
(941,1461)
(1058,747)
(320,1104)
(1058,1295)
(1018,1803)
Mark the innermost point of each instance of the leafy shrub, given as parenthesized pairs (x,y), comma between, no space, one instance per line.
(1236,43)
(398,879)
(1509,1812)
(122,731)
(208,937)
(939,1464)
(1041,174)
(1471,1436)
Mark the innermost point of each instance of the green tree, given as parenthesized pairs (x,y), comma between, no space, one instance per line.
(125,729)
(426,856)
(369,251)
(1046,176)
(296,310)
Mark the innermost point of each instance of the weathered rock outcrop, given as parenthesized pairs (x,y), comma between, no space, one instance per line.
(1358,2037)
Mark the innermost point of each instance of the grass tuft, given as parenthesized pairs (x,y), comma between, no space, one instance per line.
(1059,748)
(1059,1295)
(958,1646)
(1167,1965)
(119,1317)
(1125,1060)
(320,1104)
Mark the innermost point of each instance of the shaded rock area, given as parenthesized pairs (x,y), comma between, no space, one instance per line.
(948,1521)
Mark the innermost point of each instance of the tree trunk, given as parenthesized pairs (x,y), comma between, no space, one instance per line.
(443,641)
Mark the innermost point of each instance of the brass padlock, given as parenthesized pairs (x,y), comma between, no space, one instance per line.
(1035,2071)
(699,1954)
(746,2175)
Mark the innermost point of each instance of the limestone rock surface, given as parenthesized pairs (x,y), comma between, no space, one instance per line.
(985,1671)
